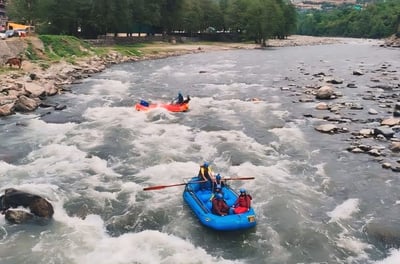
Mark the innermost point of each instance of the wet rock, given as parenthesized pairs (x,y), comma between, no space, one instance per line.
(322,106)
(7,109)
(390,122)
(334,81)
(14,198)
(366,132)
(18,216)
(60,107)
(327,128)
(26,104)
(396,112)
(358,72)
(34,89)
(387,233)
(395,147)
(375,152)
(324,93)
(351,85)
(387,132)
(372,111)
(386,165)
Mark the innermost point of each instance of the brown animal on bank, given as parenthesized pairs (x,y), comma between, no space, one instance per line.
(14,61)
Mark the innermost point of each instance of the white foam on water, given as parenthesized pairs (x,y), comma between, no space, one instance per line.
(5,167)
(354,245)
(57,159)
(147,247)
(292,135)
(113,74)
(344,210)
(113,88)
(37,131)
(86,241)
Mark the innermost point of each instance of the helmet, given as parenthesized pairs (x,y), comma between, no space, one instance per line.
(218,186)
(218,177)
(242,190)
(206,164)
(219,196)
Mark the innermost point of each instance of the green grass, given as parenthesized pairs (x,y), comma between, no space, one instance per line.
(129,50)
(60,46)
(30,52)
(68,47)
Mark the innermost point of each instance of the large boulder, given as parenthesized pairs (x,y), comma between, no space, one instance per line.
(37,205)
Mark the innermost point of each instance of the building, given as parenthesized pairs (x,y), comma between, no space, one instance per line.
(317,4)
(3,15)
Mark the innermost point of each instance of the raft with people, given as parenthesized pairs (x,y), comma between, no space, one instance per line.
(200,200)
(175,106)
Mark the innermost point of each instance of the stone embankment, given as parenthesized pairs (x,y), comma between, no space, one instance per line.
(23,90)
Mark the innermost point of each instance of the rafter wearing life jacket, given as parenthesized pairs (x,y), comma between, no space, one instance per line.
(206,174)
(243,202)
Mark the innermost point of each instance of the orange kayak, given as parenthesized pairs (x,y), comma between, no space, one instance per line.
(144,106)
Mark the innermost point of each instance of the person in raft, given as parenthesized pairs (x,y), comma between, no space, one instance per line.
(218,182)
(219,206)
(242,203)
(179,99)
(206,175)
(187,100)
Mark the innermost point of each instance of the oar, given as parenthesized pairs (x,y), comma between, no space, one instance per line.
(159,187)
(237,178)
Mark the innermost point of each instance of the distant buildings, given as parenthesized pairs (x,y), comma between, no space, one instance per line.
(3,15)
(317,4)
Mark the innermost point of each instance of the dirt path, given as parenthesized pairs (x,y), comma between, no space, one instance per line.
(294,40)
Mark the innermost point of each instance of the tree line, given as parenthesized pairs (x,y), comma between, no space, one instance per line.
(257,20)
(378,20)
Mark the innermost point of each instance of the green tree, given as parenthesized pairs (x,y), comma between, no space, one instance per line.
(23,11)
(171,11)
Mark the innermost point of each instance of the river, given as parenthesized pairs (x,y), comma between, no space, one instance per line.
(92,160)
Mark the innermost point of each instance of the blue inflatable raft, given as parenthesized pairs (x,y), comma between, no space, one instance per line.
(200,202)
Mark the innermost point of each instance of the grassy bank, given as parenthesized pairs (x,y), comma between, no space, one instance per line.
(69,48)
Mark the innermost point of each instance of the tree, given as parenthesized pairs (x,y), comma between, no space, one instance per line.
(23,11)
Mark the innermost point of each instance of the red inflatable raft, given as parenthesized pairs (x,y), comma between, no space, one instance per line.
(144,106)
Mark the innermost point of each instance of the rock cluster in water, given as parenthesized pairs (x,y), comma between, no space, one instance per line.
(376,133)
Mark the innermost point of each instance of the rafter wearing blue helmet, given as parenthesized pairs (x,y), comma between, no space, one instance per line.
(219,206)
(243,202)
(179,99)
(206,175)
(219,183)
